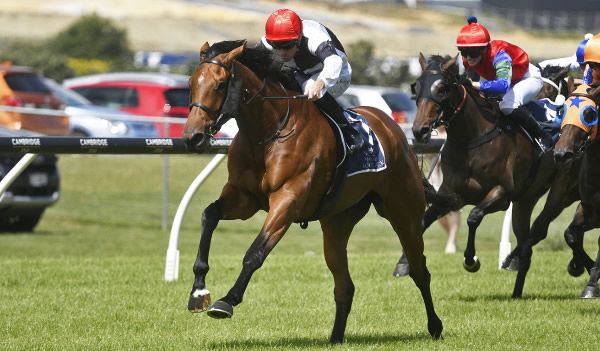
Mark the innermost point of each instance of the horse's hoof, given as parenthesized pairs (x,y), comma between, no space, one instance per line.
(575,269)
(199,300)
(590,292)
(435,328)
(511,263)
(401,270)
(472,267)
(220,310)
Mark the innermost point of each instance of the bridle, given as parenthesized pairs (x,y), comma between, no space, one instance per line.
(445,105)
(218,116)
(587,139)
(230,106)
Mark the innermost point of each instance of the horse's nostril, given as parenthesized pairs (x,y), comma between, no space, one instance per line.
(196,142)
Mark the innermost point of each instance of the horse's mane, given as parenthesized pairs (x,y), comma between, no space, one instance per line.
(260,61)
(551,71)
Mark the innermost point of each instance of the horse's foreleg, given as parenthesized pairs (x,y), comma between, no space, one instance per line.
(574,238)
(200,297)
(494,201)
(520,221)
(232,204)
(562,193)
(276,224)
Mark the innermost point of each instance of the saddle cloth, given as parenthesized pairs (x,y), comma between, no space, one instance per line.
(371,157)
(546,112)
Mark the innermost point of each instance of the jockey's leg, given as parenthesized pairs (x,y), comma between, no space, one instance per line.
(330,106)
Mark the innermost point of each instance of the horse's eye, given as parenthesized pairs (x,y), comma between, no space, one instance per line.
(222,87)
(442,90)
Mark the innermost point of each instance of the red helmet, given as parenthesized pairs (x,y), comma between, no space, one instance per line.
(473,34)
(283,25)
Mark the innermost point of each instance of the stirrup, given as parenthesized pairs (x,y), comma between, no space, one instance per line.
(354,144)
(543,147)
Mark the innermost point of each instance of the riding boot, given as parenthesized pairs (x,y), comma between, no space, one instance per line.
(533,127)
(352,136)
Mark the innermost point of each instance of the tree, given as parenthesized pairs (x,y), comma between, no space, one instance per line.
(95,38)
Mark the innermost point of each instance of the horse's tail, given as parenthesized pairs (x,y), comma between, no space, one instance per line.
(450,201)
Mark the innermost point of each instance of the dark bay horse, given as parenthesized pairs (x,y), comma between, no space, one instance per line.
(282,161)
(488,161)
(578,141)
(555,83)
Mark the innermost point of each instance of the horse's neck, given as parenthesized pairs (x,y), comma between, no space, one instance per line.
(469,123)
(260,119)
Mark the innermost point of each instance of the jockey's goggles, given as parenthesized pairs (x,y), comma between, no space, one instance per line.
(472,52)
(283,45)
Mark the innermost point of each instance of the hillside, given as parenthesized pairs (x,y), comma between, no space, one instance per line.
(178,25)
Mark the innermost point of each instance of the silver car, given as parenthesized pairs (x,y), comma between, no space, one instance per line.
(89,120)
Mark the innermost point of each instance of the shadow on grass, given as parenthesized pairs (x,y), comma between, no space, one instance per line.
(294,342)
(508,297)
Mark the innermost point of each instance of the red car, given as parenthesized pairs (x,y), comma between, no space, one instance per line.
(141,93)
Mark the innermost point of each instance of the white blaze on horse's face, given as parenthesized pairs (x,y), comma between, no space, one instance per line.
(201,78)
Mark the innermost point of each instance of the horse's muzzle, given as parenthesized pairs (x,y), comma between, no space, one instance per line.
(563,158)
(196,142)
(422,134)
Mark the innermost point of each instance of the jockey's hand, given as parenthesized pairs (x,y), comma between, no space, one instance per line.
(314,90)
(476,85)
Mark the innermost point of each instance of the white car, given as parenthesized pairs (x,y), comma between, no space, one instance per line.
(88,120)
(393,101)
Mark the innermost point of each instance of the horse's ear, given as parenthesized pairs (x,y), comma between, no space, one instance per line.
(449,64)
(204,51)
(233,54)
(595,91)
(570,84)
(422,61)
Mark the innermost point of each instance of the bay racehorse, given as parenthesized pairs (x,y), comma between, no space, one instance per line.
(578,142)
(282,161)
(488,161)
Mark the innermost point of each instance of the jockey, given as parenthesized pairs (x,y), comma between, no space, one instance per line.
(591,57)
(507,73)
(319,62)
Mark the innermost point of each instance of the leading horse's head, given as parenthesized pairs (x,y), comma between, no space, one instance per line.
(214,96)
(579,124)
(438,94)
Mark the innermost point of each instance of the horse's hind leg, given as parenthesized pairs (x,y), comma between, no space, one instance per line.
(431,215)
(231,205)
(336,231)
(404,216)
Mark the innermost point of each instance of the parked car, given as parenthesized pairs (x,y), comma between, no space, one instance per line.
(89,120)
(140,93)
(24,202)
(24,87)
(395,102)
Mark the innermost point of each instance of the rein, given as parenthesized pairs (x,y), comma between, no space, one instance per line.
(445,106)
(221,117)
